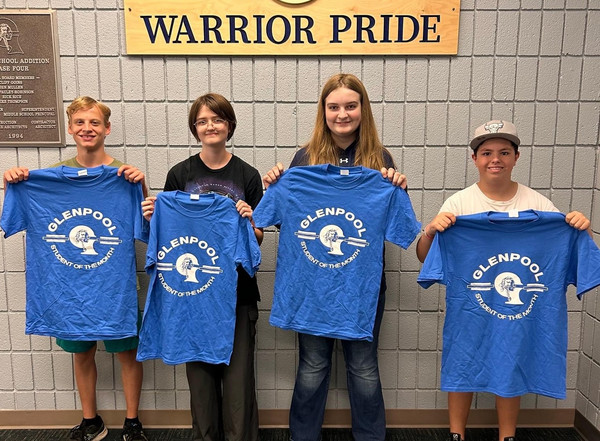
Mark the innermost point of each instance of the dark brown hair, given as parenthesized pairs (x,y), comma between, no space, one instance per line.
(217,104)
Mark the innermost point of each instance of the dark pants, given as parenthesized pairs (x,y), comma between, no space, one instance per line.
(223,398)
(364,386)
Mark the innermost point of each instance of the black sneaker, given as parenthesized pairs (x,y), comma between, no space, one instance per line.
(133,432)
(454,437)
(89,432)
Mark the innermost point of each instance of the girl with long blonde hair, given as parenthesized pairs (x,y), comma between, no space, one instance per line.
(344,135)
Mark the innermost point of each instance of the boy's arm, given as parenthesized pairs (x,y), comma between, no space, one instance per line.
(441,222)
(15,174)
(578,220)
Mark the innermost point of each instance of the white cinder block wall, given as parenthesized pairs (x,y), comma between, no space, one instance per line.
(532,61)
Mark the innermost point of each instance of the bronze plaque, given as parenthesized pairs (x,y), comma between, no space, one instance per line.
(31,111)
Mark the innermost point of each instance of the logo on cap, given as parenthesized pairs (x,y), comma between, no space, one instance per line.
(494,127)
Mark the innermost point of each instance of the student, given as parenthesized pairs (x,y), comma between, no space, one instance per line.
(495,147)
(89,125)
(223,398)
(344,135)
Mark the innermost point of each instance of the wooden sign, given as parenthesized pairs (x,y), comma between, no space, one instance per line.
(291,27)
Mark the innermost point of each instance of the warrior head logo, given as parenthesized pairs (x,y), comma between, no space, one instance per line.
(9,36)
(187,265)
(332,237)
(494,127)
(83,237)
(509,285)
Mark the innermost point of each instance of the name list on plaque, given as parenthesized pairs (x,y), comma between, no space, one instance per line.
(30,93)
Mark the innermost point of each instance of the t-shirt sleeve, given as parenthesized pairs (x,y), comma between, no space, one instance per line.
(14,210)
(548,205)
(247,250)
(145,233)
(584,268)
(141,226)
(254,190)
(300,158)
(450,206)
(171,182)
(402,225)
(433,267)
(388,160)
(267,212)
(152,242)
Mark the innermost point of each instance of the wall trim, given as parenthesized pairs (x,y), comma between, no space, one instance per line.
(277,418)
(585,427)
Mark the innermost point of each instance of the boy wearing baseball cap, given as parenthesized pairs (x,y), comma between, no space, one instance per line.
(495,147)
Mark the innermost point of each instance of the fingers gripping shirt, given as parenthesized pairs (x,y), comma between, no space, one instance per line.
(196,243)
(506,320)
(330,258)
(80,268)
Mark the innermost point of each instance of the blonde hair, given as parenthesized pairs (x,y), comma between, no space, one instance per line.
(86,102)
(321,148)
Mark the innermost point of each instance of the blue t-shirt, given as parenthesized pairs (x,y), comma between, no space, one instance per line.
(330,259)
(196,243)
(80,270)
(506,319)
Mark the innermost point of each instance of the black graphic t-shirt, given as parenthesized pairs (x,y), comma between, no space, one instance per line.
(237,180)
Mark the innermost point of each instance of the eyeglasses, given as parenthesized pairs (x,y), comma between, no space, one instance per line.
(216,122)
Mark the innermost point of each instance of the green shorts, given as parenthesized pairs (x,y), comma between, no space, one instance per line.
(113,346)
